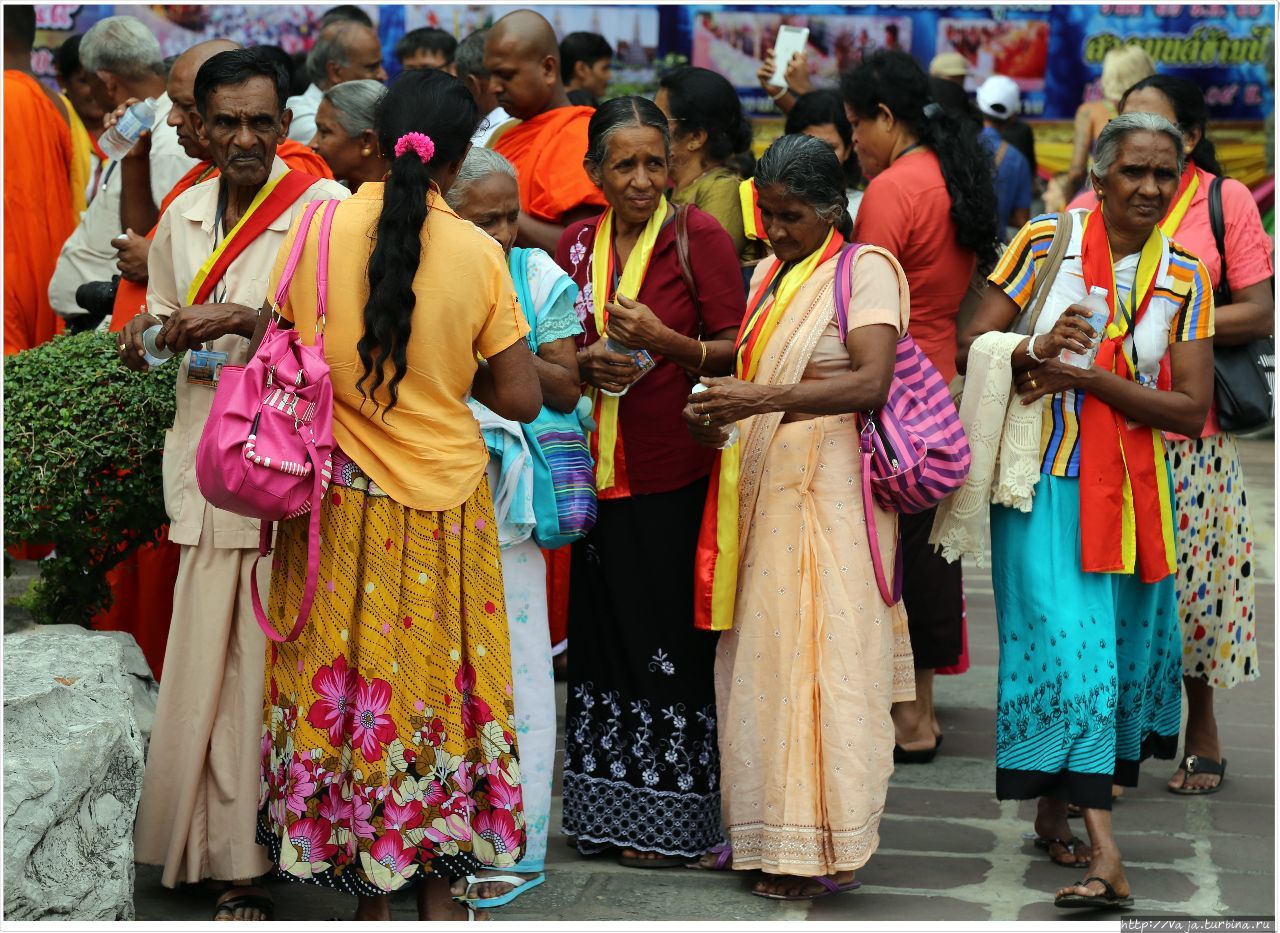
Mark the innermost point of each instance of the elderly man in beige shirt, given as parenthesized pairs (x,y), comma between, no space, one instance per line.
(200,793)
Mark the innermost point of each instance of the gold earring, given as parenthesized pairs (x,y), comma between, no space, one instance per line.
(366,152)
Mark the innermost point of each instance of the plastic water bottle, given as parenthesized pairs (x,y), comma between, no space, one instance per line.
(1096,302)
(733,431)
(642,359)
(152,353)
(119,139)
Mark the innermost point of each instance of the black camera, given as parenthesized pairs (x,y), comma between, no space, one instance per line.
(98,299)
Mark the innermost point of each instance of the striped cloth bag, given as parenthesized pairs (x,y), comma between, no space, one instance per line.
(914,449)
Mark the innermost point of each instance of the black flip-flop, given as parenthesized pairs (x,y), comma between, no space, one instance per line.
(1198,764)
(260,902)
(1045,844)
(1109,899)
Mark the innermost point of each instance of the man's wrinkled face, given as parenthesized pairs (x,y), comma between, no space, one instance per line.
(243,124)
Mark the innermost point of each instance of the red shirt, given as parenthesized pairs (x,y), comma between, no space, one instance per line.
(661,455)
(907,210)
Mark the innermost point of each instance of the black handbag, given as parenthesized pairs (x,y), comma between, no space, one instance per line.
(1244,376)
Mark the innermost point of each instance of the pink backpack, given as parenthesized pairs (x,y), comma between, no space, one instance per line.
(266,450)
(914,449)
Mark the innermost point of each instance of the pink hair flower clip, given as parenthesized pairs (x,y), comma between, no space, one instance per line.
(419,142)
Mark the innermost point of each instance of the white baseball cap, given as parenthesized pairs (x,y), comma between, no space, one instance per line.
(999,97)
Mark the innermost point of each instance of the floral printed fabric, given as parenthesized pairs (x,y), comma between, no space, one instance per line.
(388,749)
(1216,592)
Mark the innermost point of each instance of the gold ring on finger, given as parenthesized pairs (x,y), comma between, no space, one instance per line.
(706,422)
(1033,383)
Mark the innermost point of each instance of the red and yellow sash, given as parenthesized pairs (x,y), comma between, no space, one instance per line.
(752,222)
(716,562)
(275,197)
(611,478)
(1126,517)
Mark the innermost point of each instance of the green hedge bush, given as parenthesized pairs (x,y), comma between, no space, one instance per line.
(83,440)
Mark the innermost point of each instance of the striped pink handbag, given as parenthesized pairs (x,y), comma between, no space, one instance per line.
(266,449)
(914,449)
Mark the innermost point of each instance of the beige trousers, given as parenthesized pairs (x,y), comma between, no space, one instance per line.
(199,802)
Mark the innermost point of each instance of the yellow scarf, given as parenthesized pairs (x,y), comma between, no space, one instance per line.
(716,563)
(209,263)
(1179,210)
(602,262)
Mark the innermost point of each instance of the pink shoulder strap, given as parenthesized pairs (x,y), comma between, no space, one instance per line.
(844,286)
(295,253)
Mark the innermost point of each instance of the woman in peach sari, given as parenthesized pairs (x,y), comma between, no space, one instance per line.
(811,658)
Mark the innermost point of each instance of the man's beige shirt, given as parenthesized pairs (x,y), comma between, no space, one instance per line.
(184,239)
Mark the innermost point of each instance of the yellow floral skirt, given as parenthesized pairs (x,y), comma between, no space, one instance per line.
(388,747)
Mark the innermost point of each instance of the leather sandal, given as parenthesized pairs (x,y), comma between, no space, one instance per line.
(1199,764)
(1107,899)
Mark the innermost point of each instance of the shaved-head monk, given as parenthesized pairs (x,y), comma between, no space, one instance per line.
(37,188)
(547,146)
(138,211)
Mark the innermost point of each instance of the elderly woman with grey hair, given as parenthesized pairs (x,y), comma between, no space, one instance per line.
(811,657)
(1090,656)
(345,135)
(486,193)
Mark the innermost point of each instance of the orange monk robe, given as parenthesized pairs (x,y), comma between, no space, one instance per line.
(547,152)
(38,216)
(131,297)
(142,584)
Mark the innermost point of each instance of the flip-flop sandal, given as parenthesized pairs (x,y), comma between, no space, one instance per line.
(1108,899)
(1198,764)
(662,861)
(723,862)
(919,756)
(259,902)
(1046,844)
(831,888)
(521,885)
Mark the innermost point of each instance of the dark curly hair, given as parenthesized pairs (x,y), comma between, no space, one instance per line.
(439,105)
(1187,101)
(897,81)
(700,99)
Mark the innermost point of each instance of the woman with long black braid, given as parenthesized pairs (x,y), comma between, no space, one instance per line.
(388,751)
(931,203)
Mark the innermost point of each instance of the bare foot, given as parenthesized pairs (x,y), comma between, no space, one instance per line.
(226,910)
(642,856)
(791,886)
(435,902)
(1106,864)
(376,909)
(481,892)
(1051,823)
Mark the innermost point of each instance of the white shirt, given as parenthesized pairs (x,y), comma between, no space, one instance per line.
(88,255)
(304,108)
(484,132)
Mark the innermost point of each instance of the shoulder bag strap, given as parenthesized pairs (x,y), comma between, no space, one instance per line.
(682,254)
(295,253)
(1218,224)
(844,286)
(890,594)
(312,329)
(1004,147)
(1052,263)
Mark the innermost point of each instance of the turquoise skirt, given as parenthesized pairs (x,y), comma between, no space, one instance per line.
(1090,663)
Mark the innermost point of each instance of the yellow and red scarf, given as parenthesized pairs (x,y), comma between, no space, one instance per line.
(1126,518)
(752,221)
(272,200)
(611,469)
(716,562)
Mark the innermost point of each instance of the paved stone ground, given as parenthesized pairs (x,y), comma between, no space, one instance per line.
(950,850)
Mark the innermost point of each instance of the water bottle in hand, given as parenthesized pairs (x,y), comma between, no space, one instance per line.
(733,431)
(1096,302)
(116,142)
(153,354)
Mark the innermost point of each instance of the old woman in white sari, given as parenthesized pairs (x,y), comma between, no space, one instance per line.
(811,657)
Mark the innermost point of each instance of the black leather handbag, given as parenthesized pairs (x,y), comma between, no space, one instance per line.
(1244,376)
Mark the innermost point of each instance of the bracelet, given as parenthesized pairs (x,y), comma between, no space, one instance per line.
(1031,348)
(781,94)
(702,362)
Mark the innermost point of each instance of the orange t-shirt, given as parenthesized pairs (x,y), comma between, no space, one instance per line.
(428,454)
(547,152)
(907,210)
